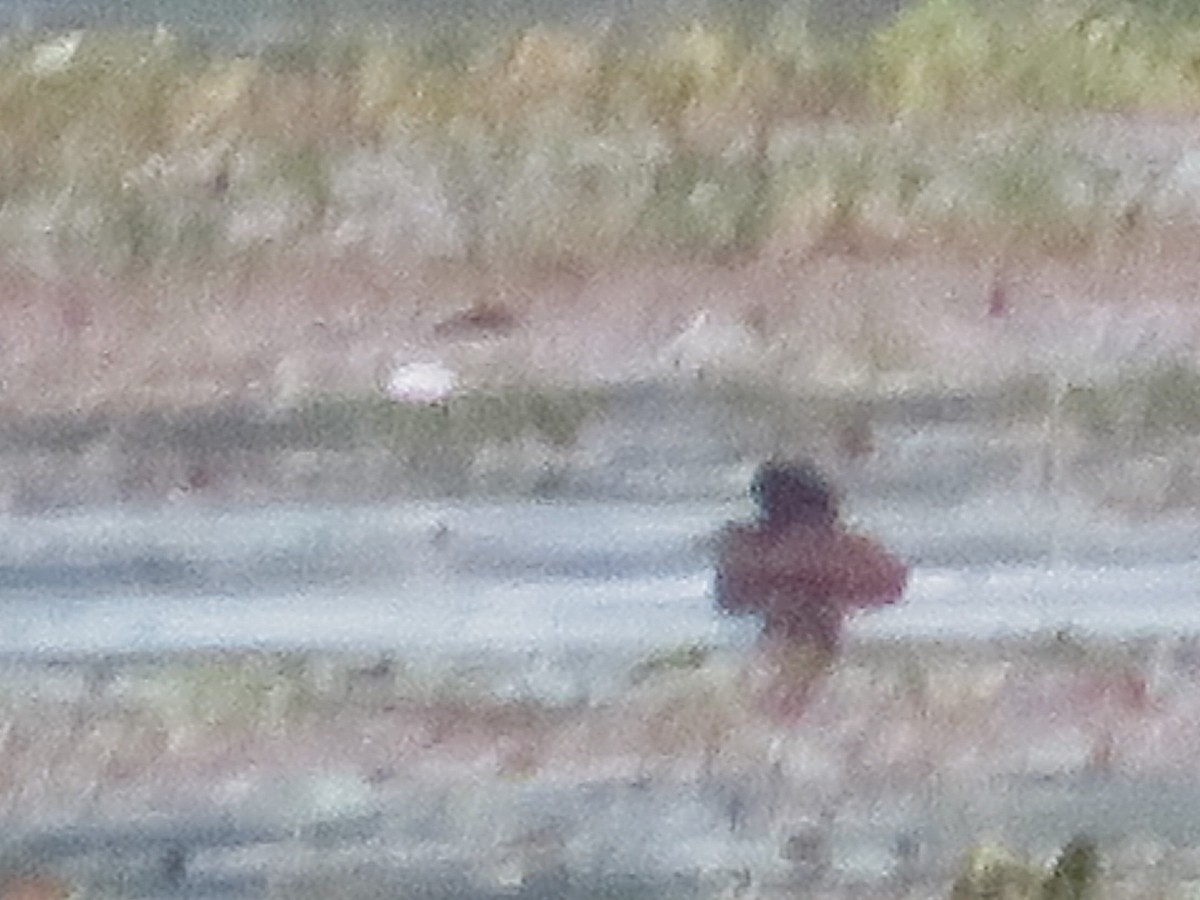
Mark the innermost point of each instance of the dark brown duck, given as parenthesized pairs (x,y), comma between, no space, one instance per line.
(797,566)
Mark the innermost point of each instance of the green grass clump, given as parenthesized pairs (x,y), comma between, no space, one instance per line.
(993,873)
(440,444)
(1162,402)
(469,421)
(934,58)
(684,658)
(234,695)
(959,56)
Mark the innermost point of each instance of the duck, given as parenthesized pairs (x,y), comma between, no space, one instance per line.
(797,566)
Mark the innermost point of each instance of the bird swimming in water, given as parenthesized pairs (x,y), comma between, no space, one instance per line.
(800,569)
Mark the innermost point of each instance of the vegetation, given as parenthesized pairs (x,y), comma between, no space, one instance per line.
(268,693)
(684,658)
(341,442)
(1144,407)
(260,212)
(995,873)
(140,152)
(272,725)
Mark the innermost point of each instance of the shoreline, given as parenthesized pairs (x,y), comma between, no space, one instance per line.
(949,745)
(650,440)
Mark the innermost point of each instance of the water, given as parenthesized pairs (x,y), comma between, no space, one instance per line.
(229,21)
(560,600)
(550,578)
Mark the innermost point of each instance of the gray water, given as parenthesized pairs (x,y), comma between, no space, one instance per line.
(581,589)
(554,577)
(261,23)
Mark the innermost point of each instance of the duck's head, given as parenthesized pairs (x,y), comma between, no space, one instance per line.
(793,492)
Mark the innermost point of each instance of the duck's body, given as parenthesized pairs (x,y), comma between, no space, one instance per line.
(797,566)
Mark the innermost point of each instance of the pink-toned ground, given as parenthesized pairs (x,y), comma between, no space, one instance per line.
(879,317)
(884,717)
(968,728)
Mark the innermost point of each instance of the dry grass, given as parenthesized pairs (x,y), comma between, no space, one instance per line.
(182,225)
(138,155)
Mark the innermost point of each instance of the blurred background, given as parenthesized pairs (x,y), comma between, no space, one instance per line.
(374,377)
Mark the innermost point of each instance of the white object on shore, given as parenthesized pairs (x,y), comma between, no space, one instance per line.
(710,343)
(421,383)
(297,801)
(55,55)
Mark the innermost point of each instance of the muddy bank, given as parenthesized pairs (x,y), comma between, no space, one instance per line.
(1125,444)
(439,773)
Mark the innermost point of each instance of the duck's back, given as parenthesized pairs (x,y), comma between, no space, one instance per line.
(781,572)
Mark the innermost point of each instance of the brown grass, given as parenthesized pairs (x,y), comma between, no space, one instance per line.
(274,334)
